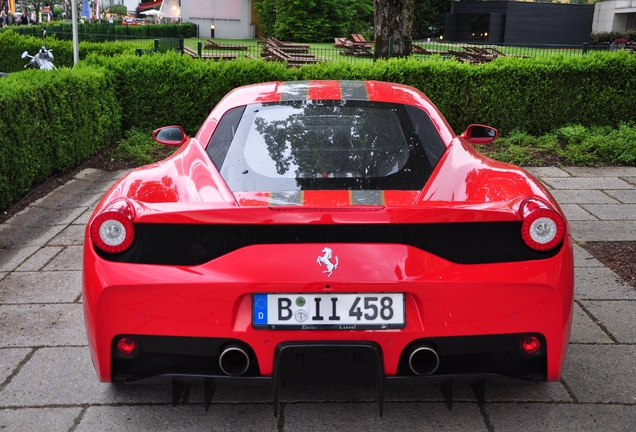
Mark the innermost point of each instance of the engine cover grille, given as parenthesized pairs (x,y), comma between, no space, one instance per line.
(462,243)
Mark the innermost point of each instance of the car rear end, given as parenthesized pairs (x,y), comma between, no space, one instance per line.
(339,237)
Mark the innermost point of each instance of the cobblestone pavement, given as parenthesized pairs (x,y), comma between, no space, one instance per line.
(47,380)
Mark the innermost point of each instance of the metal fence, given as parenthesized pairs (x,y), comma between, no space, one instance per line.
(299,54)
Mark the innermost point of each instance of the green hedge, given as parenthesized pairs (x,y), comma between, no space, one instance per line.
(186,30)
(535,95)
(12,45)
(51,121)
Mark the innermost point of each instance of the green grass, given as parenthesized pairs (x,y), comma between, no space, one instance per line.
(139,148)
(570,145)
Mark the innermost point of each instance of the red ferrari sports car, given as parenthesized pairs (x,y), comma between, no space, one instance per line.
(317,217)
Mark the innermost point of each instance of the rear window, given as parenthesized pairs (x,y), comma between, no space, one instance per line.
(325,145)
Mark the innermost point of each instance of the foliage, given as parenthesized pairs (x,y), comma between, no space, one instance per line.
(139,148)
(46,128)
(428,18)
(13,45)
(314,20)
(118,9)
(587,101)
(159,90)
(609,37)
(569,145)
(185,30)
(535,95)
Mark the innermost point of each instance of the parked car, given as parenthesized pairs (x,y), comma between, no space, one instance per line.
(312,218)
(129,21)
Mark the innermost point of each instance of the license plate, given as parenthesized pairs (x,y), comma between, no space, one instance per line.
(342,311)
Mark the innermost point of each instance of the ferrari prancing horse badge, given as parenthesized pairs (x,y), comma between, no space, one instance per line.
(326,260)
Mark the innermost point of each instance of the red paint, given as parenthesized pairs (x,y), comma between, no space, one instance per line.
(442,298)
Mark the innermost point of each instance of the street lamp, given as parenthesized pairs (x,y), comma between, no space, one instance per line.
(74,26)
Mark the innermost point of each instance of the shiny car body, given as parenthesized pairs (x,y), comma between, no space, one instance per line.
(325,216)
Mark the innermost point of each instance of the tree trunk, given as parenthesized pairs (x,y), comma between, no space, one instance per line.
(393,19)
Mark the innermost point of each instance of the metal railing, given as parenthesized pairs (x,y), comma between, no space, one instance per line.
(420,49)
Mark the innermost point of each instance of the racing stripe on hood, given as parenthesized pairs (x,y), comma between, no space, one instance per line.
(294,90)
(354,90)
(324,90)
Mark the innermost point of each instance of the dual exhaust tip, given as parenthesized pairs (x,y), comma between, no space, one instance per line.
(423,359)
(235,360)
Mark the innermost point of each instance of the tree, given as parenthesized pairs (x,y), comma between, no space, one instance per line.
(393,19)
(313,20)
(429,16)
(118,9)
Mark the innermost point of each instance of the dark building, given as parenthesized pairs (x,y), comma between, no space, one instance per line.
(519,22)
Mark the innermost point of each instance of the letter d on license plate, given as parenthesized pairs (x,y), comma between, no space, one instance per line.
(342,311)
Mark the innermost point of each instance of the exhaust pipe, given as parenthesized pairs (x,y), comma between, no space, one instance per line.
(423,360)
(234,360)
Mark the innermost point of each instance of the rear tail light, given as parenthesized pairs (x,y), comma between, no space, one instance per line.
(113,230)
(543,228)
(530,344)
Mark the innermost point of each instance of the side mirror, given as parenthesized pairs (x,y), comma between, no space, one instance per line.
(480,134)
(170,135)
(24,54)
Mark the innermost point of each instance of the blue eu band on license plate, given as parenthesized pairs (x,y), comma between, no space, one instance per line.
(342,311)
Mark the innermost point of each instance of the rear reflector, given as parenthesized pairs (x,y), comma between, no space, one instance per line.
(530,344)
(126,346)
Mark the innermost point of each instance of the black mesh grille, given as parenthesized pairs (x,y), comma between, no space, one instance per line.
(462,243)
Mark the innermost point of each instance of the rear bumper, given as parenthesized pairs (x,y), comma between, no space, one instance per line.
(443,301)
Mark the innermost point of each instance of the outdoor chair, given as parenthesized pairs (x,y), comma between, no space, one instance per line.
(217,46)
(418,49)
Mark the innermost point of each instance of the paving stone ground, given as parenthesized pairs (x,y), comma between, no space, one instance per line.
(47,381)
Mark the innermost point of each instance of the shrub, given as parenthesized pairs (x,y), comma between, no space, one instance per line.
(12,45)
(52,120)
(139,148)
(535,95)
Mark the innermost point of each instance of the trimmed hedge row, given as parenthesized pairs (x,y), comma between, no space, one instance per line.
(47,127)
(12,45)
(535,95)
(50,122)
(185,30)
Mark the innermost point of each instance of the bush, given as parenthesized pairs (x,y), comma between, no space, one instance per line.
(51,121)
(569,145)
(185,30)
(605,37)
(139,148)
(535,95)
(12,45)
(163,89)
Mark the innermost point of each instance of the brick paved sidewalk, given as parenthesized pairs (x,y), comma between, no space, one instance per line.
(47,381)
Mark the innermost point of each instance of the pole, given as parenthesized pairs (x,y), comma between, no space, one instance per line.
(75,43)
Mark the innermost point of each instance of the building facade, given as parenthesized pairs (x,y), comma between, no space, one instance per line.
(617,15)
(519,22)
(228,19)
